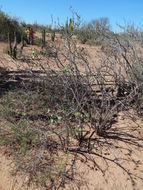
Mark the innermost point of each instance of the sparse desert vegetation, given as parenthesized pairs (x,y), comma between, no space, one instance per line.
(71,106)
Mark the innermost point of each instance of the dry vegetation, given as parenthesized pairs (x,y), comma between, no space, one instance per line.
(64,113)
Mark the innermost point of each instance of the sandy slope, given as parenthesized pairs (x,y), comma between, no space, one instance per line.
(121,155)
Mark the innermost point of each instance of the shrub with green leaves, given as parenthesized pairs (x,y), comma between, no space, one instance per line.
(93,32)
(10,25)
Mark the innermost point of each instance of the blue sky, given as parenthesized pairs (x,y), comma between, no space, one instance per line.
(117,11)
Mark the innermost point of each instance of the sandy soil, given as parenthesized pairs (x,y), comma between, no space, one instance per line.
(119,166)
(94,53)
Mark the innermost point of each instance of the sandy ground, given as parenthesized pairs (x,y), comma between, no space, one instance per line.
(94,53)
(118,164)
(8,181)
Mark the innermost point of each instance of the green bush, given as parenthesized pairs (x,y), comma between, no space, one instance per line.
(93,32)
(10,25)
(85,33)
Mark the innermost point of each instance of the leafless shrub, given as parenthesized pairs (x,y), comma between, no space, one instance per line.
(78,100)
(125,53)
